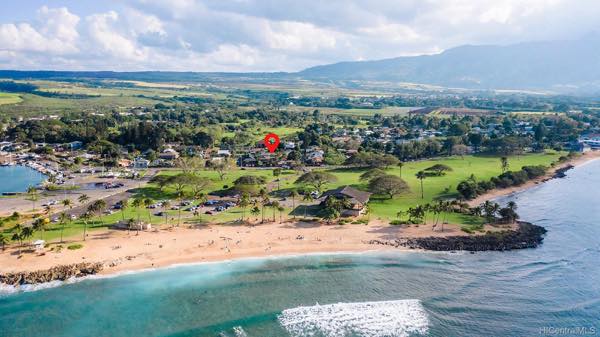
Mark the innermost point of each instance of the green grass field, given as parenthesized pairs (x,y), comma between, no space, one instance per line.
(260,133)
(34,105)
(9,98)
(435,188)
(387,111)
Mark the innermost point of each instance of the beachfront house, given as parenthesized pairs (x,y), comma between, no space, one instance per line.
(356,199)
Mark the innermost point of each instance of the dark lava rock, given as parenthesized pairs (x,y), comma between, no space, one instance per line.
(526,236)
(59,273)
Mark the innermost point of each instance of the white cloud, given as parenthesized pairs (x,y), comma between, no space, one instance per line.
(54,33)
(105,37)
(273,35)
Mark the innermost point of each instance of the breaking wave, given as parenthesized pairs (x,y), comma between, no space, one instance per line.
(369,319)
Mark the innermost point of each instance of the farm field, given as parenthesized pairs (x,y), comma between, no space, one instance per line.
(34,105)
(387,111)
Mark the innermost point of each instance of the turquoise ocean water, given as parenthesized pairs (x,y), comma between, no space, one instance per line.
(535,292)
(18,178)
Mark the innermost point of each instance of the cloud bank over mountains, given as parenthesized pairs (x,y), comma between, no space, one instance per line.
(272,35)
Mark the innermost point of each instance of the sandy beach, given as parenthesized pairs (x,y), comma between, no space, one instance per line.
(121,251)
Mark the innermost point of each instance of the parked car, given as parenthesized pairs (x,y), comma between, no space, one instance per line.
(220,209)
(230,204)
(73,216)
(211,202)
(209,212)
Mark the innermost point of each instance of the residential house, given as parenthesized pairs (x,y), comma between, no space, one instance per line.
(356,199)
(169,154)
(592,140)
(141,163)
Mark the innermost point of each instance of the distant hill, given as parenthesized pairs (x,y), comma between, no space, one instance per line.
(560,66)
(568,67)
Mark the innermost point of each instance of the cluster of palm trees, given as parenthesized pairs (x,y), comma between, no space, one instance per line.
(94,209)
(439,211)
(490,210)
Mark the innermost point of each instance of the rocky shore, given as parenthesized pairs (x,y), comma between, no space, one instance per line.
(58,273)
(526,236)
(561,172)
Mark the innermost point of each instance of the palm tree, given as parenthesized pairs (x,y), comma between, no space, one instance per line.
(477,211)
(63,218)
(27,232)
(124,205)
(275,207)
(66,203)
(293,195)
(276,174)
(400,165)
(130,223)
(147,203)
(490,209)
(47,209)
(166,205)
(85,217)
(421,175)
(33,196)
(281,209)
(100,206)
(3,241)
(308,198)
(244,202)
(83,199)
(180,195)
(504,164)
(512,205)
(18,235)
(264,202)
(137,203)
(40,225)
(255,211)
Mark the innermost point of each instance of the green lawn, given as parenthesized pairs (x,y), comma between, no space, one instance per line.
(260,133)
(435,188)
(9,98)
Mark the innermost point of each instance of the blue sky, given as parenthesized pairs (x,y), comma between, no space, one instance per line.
(268,35)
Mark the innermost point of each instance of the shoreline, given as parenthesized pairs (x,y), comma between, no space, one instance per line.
(122,252)
(584,159)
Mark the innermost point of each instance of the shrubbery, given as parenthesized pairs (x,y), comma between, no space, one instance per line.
(471,188)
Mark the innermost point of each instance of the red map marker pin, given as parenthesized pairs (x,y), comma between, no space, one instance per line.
(271,142)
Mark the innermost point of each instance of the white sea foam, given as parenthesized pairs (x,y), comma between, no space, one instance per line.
(6,289)
(239,332)
(369,319)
